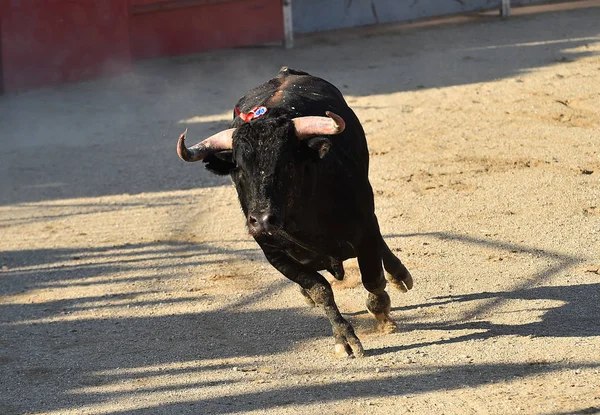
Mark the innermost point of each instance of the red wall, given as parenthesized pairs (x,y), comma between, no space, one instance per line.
(53,41)
(44,42)
(175,27)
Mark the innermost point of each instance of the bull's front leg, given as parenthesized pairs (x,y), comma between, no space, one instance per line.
(318,289)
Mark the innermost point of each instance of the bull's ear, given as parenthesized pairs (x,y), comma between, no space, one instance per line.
(220,163)
(320,145)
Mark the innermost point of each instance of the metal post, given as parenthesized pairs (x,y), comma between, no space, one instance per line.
(505,10)
(288,25)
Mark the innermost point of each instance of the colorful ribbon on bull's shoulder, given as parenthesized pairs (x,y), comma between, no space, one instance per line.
(253,114)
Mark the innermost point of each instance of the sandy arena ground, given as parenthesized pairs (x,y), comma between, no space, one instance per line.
(129,284)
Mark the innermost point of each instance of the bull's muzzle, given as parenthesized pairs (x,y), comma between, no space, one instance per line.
(265,222)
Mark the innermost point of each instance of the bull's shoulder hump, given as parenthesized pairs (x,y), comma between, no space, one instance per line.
(294,91)
(288,78)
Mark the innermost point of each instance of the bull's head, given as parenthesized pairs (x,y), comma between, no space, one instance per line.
(266,159)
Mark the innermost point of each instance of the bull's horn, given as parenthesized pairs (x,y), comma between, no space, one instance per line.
(307,127)
(218,142)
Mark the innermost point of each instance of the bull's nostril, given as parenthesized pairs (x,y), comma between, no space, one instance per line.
(252,221)
(271,219)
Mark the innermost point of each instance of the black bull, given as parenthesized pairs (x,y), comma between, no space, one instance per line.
(298,157)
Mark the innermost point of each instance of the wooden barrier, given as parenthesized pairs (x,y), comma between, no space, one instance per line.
(175,27)
(55,41)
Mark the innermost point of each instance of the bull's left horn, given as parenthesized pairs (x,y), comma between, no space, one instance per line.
(222,140)
(311,126)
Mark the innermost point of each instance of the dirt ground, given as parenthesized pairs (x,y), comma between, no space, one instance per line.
(129,284)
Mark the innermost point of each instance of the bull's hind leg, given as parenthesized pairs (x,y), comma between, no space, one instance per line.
(398,275)
(378,301)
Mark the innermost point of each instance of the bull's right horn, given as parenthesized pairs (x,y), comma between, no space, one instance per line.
(222,140)
(311,126)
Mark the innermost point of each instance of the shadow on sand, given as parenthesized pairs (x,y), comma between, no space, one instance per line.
(150,344)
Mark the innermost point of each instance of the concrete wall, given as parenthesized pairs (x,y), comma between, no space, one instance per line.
(317,15)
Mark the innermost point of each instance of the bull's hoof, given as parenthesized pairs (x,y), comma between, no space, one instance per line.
(348,346)
(401,280)
(386,326)
(341,350)
(379,306)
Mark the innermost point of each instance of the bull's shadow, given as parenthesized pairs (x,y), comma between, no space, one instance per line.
(575,317)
